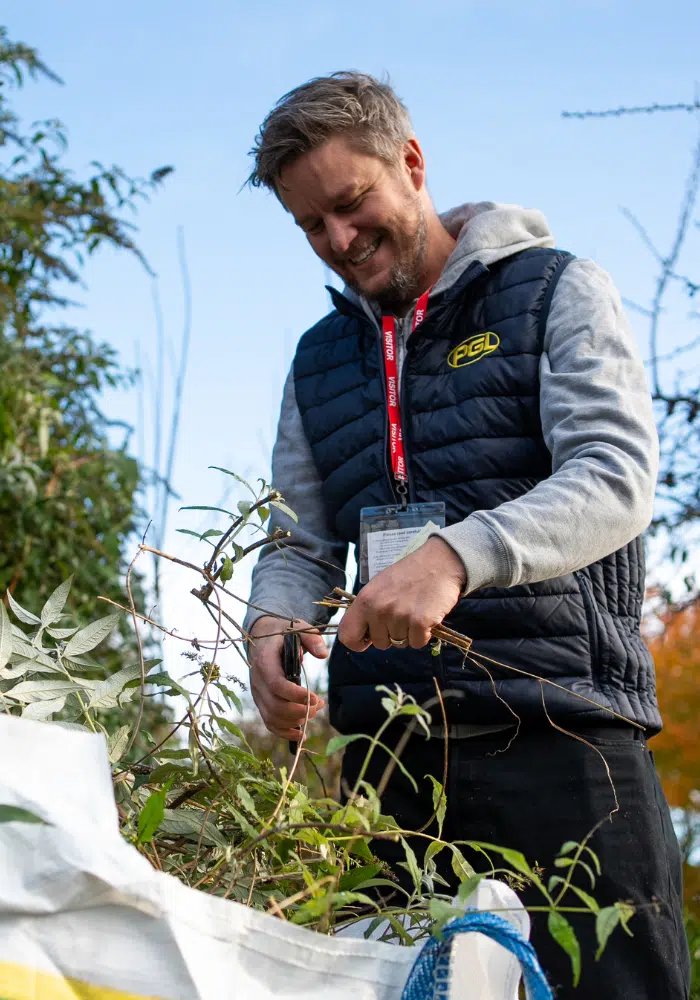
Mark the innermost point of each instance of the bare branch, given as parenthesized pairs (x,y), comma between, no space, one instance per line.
(648,109)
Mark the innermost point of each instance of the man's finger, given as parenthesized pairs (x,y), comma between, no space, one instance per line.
(419,635)
(313,642)
(353,630)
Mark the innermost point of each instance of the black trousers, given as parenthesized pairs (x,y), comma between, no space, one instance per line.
(545,789)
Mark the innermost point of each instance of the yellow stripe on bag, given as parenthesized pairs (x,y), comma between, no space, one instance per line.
(19,982)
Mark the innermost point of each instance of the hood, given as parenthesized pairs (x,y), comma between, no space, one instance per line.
(485,231)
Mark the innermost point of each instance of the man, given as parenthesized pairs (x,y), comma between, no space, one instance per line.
(470,371)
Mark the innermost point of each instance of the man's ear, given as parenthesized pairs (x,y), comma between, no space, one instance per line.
(413,163)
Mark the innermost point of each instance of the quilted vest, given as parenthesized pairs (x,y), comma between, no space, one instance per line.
(473,437)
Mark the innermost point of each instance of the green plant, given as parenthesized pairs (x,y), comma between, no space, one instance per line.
(199,804)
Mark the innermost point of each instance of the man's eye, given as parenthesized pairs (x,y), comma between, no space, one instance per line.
(351,207)
(315,229)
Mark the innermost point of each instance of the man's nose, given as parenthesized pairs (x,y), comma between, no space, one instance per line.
(340,235)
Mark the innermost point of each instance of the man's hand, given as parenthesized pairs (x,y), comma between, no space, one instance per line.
(281,704)
(405,600)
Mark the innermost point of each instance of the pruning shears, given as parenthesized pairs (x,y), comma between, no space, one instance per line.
(291,664)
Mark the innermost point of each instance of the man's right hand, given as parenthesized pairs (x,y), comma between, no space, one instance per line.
(281,703)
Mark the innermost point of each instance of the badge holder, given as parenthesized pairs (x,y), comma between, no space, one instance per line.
(385,532)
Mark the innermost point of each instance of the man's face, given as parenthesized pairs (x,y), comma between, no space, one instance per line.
(363,217)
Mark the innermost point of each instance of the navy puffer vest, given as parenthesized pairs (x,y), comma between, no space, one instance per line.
(473,439)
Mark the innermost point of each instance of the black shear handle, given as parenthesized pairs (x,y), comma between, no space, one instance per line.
(291,664)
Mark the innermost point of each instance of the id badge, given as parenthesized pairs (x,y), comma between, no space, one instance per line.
(386,533)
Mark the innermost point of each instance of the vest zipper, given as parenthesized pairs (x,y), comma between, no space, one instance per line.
(591,618)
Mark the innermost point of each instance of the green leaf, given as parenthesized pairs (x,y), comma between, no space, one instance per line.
(23,648)
(460,865)
(568,847)
(218,510)
(117,743)
(439,801)
(337,743)
(238,478)
(563,933)
(263,513)
(250,831)
(412,864)
(569,862)
(230,696)
(468,886)
(556,880)
(285,509)
(165,680)
(106,693)
(229,727)
(151,816)
(51,611)
(62,633)
(211,533)
(356,877)
(5,637)
(246,799)
(43,709)
(244,507)
(441,912)
(433,849)
(168,770)
(29,691)
(514,858)
(90,636)
(24,616)
(606,921)
(226,570)
(360,849)
(15,814)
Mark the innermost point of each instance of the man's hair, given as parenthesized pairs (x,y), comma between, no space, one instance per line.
(348,103)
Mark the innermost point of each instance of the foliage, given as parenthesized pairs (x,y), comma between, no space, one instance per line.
(676,651)
(66,487)
(692,926)
(201,805)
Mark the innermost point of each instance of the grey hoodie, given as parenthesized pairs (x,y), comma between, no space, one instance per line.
(597,423)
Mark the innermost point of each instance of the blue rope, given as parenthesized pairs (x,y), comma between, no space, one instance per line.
(429,978)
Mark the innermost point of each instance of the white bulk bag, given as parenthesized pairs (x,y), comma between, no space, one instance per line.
(84,915)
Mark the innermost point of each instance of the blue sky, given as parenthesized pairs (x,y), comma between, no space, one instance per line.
(148,84)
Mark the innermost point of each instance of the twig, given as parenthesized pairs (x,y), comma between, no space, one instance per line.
(188,793)
(150,621)
(139,644)
(463,642)
(560,687)
(648,109)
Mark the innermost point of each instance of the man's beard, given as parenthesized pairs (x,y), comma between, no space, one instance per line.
(405,276)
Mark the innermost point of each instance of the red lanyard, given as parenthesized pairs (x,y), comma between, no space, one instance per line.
(396,448)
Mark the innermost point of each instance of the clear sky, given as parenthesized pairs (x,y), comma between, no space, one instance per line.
(187,84)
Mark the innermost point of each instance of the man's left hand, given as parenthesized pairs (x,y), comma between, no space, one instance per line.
(405,600)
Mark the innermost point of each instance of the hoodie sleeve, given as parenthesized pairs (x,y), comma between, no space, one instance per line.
(598,424)
(288,579)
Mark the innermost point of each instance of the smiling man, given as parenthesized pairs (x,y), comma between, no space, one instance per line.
(475,393)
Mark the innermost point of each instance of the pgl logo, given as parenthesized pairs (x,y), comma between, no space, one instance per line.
(473,349)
